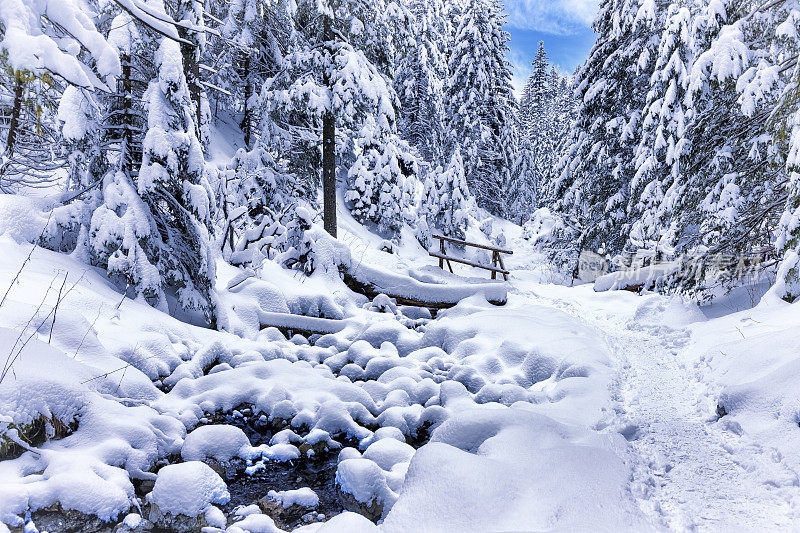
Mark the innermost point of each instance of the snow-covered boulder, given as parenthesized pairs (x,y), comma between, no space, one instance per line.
(254,523)
(289,505)
(183,493)
(225,448)
(220,442)
(365,488)
(386,453)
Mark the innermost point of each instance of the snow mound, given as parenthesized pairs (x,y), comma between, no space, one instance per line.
(88,470)
(386,453)
(188,489)
(367,483)
(507,469)
(219,442)
(255,523)
(304,497)
(21,218)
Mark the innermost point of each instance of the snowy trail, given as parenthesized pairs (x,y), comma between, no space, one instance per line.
(691,471)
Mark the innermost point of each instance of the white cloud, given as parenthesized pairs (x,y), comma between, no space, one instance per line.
(521,70)
(558,17)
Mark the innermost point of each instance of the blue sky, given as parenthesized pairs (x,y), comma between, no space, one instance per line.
(563,25)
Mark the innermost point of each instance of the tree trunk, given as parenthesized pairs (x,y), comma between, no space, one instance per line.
(248,92)
(15,114)
(126,101)
(329,150)
(191,69)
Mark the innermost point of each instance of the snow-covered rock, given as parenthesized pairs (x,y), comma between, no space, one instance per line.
(185,490)
(219,442)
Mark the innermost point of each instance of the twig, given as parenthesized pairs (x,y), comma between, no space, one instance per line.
(25,262)
(9,360)
(91,327)
(55,309)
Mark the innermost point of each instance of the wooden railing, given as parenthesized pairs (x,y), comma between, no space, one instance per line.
(497,266)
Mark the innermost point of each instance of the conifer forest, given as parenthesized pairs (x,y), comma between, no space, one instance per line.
(399,265)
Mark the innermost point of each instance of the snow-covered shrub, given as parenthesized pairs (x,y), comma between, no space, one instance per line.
(309,248)
(377,180)
(551,234)
(259,183)
(445,199)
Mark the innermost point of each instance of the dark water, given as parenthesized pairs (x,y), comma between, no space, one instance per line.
(317,473)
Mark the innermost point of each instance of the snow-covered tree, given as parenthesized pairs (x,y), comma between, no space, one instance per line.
(152,232)
(658,184)
(481,104)
(535,105)
(42,37)
(593,187)
(419,81)
(340,79)
(545,116)
(446,198)
(521,190)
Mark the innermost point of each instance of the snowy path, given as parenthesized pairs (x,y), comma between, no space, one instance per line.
(691,472)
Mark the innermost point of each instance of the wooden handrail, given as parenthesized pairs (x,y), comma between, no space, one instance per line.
(485,247)
(470,263)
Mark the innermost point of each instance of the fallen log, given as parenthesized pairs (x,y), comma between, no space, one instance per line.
(372,281)
(298,324)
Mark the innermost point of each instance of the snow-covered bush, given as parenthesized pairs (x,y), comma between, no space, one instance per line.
(376,181)
(446,198)
(310,249)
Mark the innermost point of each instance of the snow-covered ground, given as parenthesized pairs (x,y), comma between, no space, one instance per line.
(565,409)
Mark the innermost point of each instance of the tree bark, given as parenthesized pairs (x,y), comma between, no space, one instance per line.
(191,69)
(248,92)
(15,114)
(126,100)
(329,148)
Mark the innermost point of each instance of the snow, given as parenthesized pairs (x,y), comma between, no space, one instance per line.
(304,497)
(400,286)
(21,217)
(454,482)
(29,46)
(255,523)
(564,409)
(365,481)
(219,442)
(188,489)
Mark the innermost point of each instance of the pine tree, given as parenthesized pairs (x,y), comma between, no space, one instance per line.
(152,232)
(481,105)
(658,183)
(342,82)
(546,114)
(593,188)
(538,98)
(446,198)
(420,82)
(521,191)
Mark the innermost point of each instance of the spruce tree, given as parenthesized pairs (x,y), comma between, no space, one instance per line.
(152,231)
(593,187)
(481,104)
(419,82)
(659,182)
